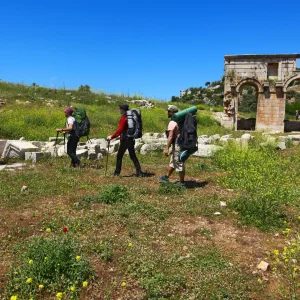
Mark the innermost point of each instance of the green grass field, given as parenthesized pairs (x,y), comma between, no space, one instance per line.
(78,234)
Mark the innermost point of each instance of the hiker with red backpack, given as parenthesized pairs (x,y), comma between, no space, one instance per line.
(72,136)
(127,139)
(182,136)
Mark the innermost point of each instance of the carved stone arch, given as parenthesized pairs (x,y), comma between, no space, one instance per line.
(287,83)
(252,82)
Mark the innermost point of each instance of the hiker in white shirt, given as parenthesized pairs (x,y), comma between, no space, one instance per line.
(72,137)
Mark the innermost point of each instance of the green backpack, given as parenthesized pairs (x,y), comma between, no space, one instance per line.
(83,124)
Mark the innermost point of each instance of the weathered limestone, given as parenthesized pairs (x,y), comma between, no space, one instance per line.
(206,150)
(146,148)
(270,75)
(38,144)
(2,146)
(83,153)
(97,148)
(36,156)
(17,149)
(143,103)
(11,167)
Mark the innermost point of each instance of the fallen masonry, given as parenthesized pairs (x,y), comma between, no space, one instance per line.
(96,149)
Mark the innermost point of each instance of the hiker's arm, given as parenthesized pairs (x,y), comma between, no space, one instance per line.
(69,128)
(120,129)
(169,142)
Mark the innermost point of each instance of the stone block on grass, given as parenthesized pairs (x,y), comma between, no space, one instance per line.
(17,149)
(36,156)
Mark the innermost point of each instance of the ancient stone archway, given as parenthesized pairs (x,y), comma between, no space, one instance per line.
(289,81)
(270,75)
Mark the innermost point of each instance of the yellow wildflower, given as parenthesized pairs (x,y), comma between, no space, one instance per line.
(295,269)
(286,260)
(276,252)
(259,281)
(130,245)
(48,229)
(85,284)
(78,257)
(274,269)
(72,288)
(30,262)
(59,295)
(123,284)
(13,297)
(41,286)
(29,280)
(299,217)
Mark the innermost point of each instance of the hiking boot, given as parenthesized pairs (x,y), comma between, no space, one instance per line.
(180,183)
(140,174)
(78,165)
(164,178)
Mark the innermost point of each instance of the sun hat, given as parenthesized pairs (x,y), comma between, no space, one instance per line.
(172,108)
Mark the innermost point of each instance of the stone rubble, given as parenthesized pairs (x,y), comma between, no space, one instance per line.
(97,148)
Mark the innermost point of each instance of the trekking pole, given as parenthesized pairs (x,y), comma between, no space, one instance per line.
(55,146)
(64,142)
(108,142)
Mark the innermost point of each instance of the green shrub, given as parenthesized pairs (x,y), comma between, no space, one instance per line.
(48,266)
(264,181)
(112,194)
(170,188)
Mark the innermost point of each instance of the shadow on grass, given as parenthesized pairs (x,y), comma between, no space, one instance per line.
(145,175)
(192,184)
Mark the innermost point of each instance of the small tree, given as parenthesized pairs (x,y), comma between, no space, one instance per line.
(84,89)
(207,83)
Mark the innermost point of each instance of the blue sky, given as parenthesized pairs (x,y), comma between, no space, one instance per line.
(153,48)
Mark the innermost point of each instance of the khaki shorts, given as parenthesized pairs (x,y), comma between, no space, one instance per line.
(174,161)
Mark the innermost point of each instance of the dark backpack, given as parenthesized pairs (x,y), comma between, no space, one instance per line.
(135,124)
(83,124)
(188,139)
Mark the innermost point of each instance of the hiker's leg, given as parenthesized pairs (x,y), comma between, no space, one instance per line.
(178,166)
(121,151)
(181,176)
(170,171)
(131,143)
(172,164)
(71,149)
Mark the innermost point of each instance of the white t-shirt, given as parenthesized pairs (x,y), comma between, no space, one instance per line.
(70,120)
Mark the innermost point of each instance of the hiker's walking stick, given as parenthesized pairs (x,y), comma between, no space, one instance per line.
(108,142)
(64,142)
(55,146)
